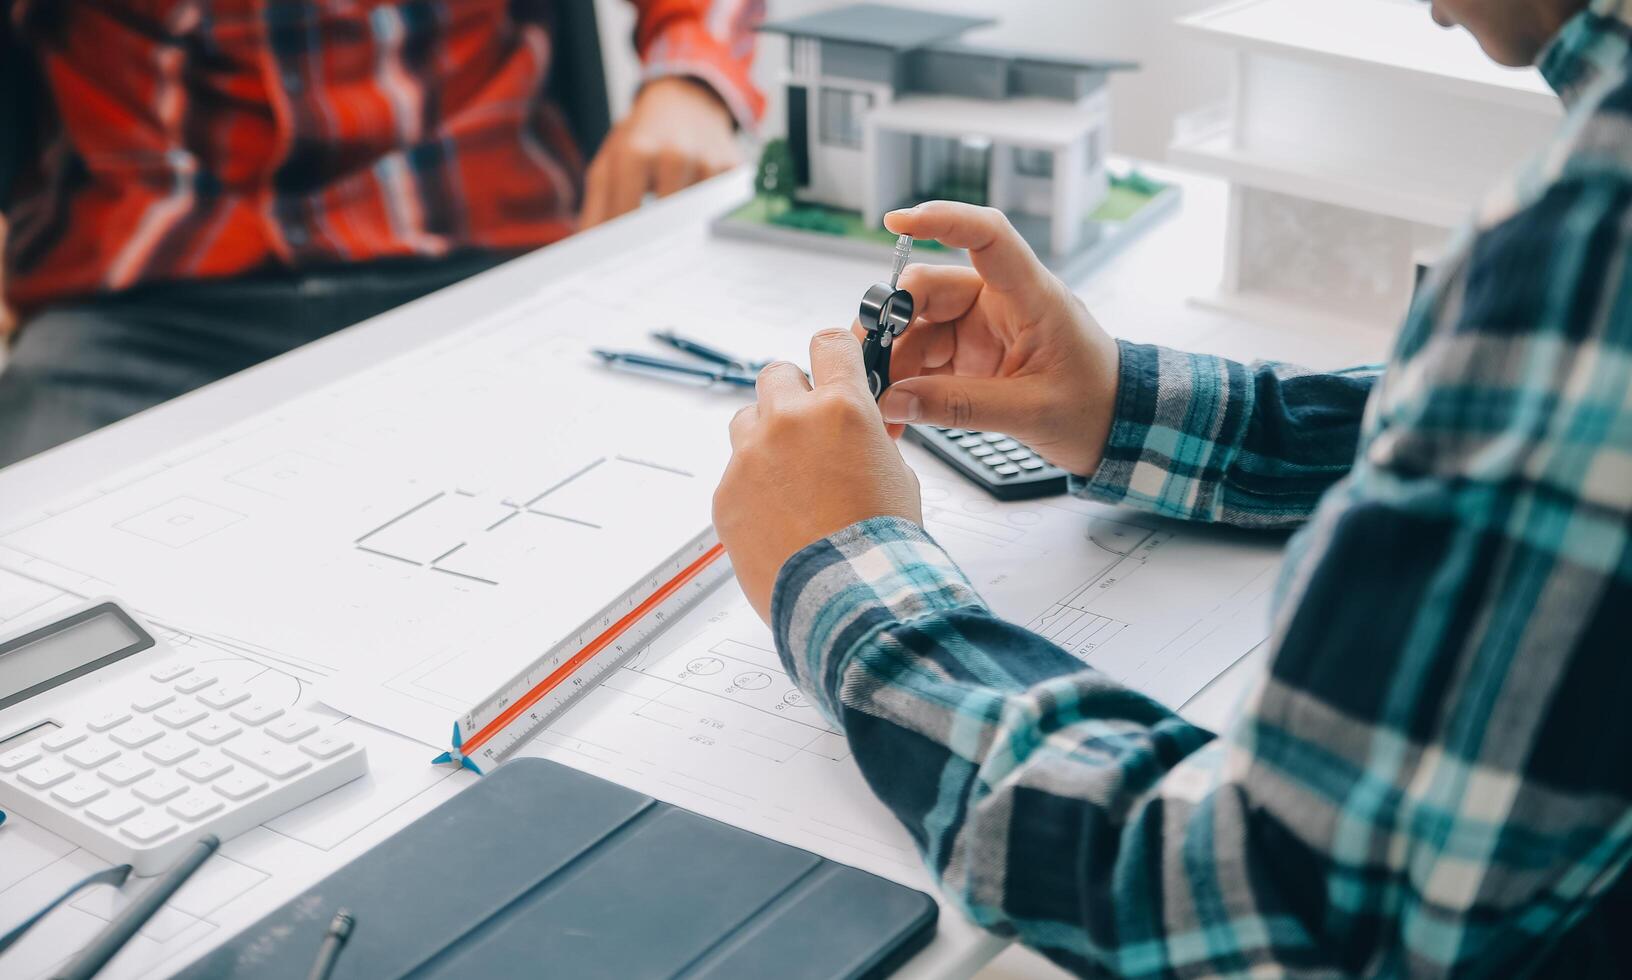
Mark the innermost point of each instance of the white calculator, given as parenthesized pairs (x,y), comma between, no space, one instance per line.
(133,753)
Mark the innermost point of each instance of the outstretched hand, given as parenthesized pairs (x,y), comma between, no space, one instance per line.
(808,458)
(677,133)
(1003,346)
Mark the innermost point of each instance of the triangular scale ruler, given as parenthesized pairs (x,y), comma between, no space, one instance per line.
(554,682)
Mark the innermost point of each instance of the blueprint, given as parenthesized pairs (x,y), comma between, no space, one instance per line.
(340,547)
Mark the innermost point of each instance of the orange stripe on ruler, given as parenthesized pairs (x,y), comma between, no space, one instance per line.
(566,670)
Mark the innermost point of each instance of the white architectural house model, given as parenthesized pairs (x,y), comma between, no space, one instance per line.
(888,107)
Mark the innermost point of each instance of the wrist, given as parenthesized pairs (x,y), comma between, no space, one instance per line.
(689,89)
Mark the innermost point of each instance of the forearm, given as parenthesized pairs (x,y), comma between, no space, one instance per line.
(1205,438)
(1053,804)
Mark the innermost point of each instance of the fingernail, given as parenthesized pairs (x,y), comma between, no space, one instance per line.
(901,406)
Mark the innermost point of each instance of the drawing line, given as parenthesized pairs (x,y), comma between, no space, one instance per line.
(406,513)
(563,483)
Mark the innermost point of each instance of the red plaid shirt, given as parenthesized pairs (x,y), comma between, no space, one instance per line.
(202,138)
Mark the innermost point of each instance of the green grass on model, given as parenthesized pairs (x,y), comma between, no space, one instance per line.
(1127,196)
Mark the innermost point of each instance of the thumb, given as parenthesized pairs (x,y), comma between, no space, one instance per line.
(997,404)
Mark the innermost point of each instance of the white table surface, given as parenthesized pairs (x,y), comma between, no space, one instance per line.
(1142,295)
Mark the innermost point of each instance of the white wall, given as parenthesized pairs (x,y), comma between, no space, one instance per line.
(1179,74)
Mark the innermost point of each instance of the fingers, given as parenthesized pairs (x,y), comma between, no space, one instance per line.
(835,360)
(631,176)
(942,293)
(779,383)
(744,420)
(593,211)
(675,171)
(994,404)
(926,348)
(999,254)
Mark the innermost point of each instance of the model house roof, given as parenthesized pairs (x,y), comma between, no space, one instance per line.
(1046,59)
(877,25)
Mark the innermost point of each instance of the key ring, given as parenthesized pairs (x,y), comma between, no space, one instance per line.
(886,313)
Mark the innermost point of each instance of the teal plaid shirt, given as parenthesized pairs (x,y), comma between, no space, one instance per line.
(1435,776)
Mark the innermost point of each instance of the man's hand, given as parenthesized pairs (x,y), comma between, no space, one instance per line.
(677,133)
(807,462)
(1004,346)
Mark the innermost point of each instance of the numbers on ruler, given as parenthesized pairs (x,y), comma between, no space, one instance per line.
(703,740)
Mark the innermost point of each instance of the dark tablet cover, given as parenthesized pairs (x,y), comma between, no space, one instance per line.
(540,869)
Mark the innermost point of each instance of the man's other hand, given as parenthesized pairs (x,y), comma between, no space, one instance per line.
(677,133)
(806,462)
(1004,346)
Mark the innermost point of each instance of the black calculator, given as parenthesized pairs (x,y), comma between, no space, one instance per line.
(999,465)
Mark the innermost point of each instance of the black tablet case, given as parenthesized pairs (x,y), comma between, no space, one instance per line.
(541,870)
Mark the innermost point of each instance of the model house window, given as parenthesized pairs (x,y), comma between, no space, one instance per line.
(1092,160)
(842,114)
(1033,163)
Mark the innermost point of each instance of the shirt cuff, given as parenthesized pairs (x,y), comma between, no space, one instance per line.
(836,595)
(1180,419)
(684,48)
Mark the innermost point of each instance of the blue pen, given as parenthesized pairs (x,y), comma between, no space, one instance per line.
(661,367)
(697,348)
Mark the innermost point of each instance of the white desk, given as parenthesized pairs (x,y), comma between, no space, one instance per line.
(1141,295)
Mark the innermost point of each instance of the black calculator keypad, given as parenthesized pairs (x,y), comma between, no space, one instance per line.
(998,464)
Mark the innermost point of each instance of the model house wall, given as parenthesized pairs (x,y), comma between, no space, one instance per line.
(888,107)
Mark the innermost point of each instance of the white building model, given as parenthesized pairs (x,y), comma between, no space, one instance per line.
(888,108)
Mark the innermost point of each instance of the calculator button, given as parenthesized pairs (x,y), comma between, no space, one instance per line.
(277,761)
(969,442)
(108,719)
(58,740)
(205,768)
(170,670)
(44,775)
(1032,465)
(994,437)
(981,452)
(153,698)
(91,754)
(78,792)
(326,746)
(1019,455)
(195,806)
(224,696)
(113,809)
(240,785)
(171,750)
(195,683)
(123,772)
(257,712)
(291,729)
(181,714)
(160,786)
(1006,446)
(215,731)
(18,758)
(1007,469)
(995,460)
(148,827)
(135,734)
(954,433)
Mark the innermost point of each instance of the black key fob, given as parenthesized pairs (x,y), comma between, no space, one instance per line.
(886,312)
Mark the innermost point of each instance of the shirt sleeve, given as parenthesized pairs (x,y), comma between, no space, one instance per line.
(1426,782)
(711,41)
(1204,438)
